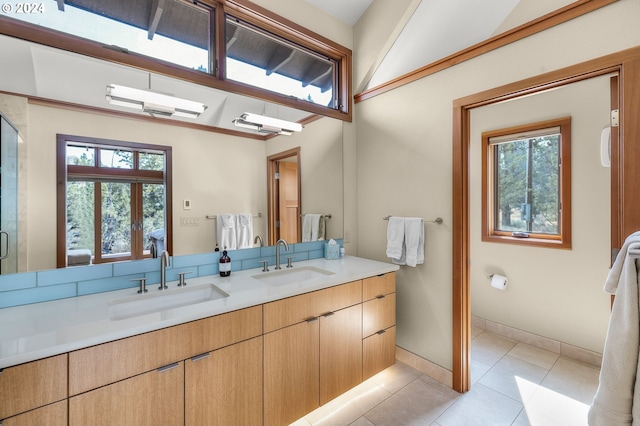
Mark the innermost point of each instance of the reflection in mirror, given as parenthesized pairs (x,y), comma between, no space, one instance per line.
(217,173)
(284,189)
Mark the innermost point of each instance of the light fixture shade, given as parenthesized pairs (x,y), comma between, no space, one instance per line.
(153,102)
(264,124)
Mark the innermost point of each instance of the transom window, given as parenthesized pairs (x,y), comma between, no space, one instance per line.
(115,200)
(526,184)
(247,47)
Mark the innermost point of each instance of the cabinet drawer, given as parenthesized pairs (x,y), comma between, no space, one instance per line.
(285,312)
(377,286)
(107,363)
(32,385)
(50,415)
(378,352)
(154,398)
(378,314)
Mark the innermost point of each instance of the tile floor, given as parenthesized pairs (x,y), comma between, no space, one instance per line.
(512,384)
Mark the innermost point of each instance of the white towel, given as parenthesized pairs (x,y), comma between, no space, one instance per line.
(310,227)
(395,240)
(244,230)
(617,400)
(226,231)
(414,240)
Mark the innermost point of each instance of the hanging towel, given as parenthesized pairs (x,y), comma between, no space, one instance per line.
(414,240)
(244,230)
(395,240)
(617,399)
(310,227)
(322,228)
(226,231)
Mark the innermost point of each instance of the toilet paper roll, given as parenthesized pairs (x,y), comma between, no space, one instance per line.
(499,281)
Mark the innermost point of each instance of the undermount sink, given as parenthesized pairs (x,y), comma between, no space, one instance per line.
(157,301)
(292,275)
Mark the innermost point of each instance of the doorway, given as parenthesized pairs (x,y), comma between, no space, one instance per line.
(625,175)
(285,196)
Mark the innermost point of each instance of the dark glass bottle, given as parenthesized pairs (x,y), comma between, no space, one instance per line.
(225,264)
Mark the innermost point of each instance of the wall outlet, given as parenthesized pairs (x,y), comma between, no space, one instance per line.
(186,204)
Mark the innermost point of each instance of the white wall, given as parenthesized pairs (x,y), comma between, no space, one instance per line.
(404,158)
(553,293)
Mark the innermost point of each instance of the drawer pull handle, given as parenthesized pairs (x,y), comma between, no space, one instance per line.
(168,367)
(380,296)
(381,275)
(201,356)
(312,319)
(381,332)
(328,314)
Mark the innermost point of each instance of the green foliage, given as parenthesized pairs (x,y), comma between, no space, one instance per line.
(528,173)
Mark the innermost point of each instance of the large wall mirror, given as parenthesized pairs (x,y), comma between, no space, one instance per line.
(213,173)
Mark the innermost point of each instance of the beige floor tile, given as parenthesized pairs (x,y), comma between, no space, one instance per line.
(396,377)
(349,406)
(419,403)
(475,331)
(550,408)
(362,421)
(489,348)
(478,369)
(540,357)
(573,379)
(514,378)
(481,406)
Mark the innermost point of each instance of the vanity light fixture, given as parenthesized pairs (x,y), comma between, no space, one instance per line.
(153,103)
(264,124)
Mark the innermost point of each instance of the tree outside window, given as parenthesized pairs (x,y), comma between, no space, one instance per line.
(526,184)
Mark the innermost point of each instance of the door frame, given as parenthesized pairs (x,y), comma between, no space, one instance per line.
(273,193)
(625,175)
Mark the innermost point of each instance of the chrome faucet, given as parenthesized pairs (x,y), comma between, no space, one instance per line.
(258,238)
(286,248)
(164,263)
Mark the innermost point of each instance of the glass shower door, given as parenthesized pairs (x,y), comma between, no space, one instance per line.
(8,197)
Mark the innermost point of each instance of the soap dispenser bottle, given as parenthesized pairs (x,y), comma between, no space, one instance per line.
(225,264)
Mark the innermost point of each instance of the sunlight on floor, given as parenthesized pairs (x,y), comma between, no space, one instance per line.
(546,407)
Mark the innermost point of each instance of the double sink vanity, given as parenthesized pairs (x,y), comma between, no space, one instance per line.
(250,349)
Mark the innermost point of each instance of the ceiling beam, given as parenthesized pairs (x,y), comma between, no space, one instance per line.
(60,5)
(310,78)
(157,7)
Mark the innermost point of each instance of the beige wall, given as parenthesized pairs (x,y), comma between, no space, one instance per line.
(218,173)
(553,293)
(404,159)
(321,165)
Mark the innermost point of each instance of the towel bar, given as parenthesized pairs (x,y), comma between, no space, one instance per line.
(327,215)
(213,216)
(437,220)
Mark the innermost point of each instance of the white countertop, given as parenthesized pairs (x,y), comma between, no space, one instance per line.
(40,330)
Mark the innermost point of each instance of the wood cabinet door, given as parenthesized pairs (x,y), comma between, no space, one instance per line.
(378,314)
(291,372)
(32,385)
(378,352)
(224,387)
(50,415)
(378,285)
(154,398)
(340,352)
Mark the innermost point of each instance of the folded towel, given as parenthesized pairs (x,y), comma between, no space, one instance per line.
(244,230)
(617,399)
(395,240)
(310,227)
(414,240)
(226,231)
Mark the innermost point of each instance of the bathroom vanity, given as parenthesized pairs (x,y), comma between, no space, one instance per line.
(279,345)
